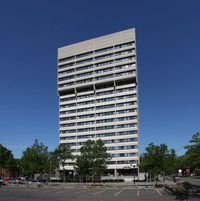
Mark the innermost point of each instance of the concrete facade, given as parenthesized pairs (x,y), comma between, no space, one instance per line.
(98,98)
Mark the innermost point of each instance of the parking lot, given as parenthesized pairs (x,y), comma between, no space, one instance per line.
(33,194)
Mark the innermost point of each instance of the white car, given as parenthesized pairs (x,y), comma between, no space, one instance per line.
(35,182)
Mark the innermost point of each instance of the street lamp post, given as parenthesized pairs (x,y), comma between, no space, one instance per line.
(134,166)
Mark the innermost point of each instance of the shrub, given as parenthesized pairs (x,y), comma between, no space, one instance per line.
(180,191)
(114,180)
(183,191)
(197,172)
(187,186)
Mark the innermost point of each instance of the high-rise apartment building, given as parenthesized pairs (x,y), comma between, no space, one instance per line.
(98,97)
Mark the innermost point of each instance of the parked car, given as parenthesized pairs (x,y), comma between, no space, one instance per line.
(35,182)
(2,182)
(8,179)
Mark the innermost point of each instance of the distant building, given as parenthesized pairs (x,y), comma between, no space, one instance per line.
(8,173)
(98,98)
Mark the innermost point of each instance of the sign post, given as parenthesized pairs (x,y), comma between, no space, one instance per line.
(147,175)
(179,172)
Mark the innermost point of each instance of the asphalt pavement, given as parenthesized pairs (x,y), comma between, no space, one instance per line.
(41,194)
(193,181)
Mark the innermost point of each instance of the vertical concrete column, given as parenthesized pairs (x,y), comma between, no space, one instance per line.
(115,172)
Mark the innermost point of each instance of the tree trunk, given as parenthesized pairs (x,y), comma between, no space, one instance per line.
(64,175)
(163,176)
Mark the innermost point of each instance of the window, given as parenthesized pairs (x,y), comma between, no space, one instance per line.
(127,140)
(105,106)
(68,138)
(85,116)
(85,103)
(125,73)
(68,105)
(124,59)
(85,129)
(125,111)
(84,74)
(85,136)
(84,61)
(67,118)
(84,81)
(105,128)
(85,123)
(105,120)
(124,45)
(85,109)
(66,72)
(66,59)
(104,57)
(65,85)
(104,77)
(84,55)
(124,52)
(127,147)
(127,132)
(66,65)
(67,99)
(126,125)
(105,93)
(125,66)
(67,125)
(125,89)
(105,134)
(85,96)
(104,63)
(84,68)
(68,112)
(103,50)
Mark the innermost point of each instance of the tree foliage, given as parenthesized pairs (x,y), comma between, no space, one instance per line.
(93,159)
(35,159)
(193,152)
(61,154)
(158,159)
(6,158)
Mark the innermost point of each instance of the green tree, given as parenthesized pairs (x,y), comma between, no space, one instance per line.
(82,167)
(193,152)
(35,159)
(6,159)
(158,159)
(63,153)
(53,161)
(93,159)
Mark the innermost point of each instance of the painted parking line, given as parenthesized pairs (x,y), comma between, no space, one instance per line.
(118,193)
(138,193)
(64,191)
(26,189)
(158,192)
(47,190)
(81,191)
(98,192)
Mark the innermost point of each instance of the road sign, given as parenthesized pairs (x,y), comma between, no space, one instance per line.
(147,174)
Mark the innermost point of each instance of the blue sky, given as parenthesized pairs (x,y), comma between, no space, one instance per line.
(168,48)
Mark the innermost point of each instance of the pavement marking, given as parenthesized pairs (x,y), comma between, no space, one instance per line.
(118,193)
(27,189)
(98,192)
(66,190)
(138,193)
(81,191)
(158,192)
(45,191)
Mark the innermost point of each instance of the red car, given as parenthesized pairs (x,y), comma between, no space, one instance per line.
(8,179)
